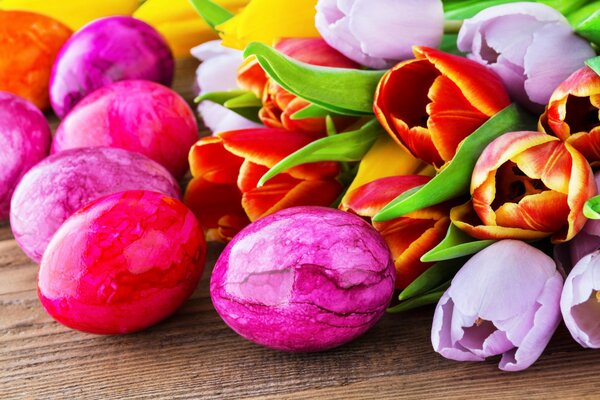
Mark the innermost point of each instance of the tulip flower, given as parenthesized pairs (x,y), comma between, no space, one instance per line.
(217,73)
(430,104)
(73,13)
(226,169)
(268,21)
(180,24)
(380,33)
(539,53)
(572,114)
(409,237)
(527,185)
(503,301)
(278,105)
(580,300)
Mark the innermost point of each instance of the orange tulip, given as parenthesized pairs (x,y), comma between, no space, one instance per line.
(572,113)
(278,105)
(226,169)
(430,104)
(527,185)
(409,237)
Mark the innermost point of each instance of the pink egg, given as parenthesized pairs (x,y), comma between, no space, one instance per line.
(24,141)
(136,115)
(63,183)
(122,263)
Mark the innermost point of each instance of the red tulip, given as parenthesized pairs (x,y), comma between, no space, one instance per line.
(409,237)
(432,103)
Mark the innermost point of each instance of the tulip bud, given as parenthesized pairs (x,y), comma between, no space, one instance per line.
(527,185)
(504,301)
(538,54)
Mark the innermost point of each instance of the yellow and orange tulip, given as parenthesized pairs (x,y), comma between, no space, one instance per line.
(572,114)
(431,104)
(527,185)
(226,169)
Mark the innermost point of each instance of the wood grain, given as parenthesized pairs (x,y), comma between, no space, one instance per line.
(194,355)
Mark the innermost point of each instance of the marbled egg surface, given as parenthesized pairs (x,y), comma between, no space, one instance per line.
(29,44)
(140,116)
(63,183)
(303,279)
(108,50)
(24,141)
(123,263)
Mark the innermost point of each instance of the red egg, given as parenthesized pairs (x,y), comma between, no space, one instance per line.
(122,263)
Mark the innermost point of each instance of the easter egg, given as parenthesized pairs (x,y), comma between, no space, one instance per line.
(29,44)
(140,116)
(24,141)
(303,279)
(108,50)
(63,183)
(122,263)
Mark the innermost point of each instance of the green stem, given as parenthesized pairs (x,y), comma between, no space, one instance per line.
(452,26)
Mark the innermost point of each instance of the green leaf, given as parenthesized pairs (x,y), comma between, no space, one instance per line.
(245,100)
(242,102)
(348,146)
(454,180)
(594,63)
(312,111)
(449,44)
(211,12)
(431,279)
(591,209)
(220,97)
(339,90)
(456,244)
(583,13)
(589,28)
(416,302)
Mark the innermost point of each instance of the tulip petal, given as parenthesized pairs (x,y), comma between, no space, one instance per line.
(212,162)
(551,163)
(532,212)
(314,51)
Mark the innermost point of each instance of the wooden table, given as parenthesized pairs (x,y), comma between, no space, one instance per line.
(195,355)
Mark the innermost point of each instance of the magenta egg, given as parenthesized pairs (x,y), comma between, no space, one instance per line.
(105,51)
(24,141)
(122,263)
(303,279)
(139,116)
(65,182)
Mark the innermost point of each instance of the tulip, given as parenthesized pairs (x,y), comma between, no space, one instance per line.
(217,73)
(579,301)
(541,51)
(572,114)
(226,169)
(503,301)
(268,21)
(409,237)
(278,105)
(527,185)
(430,104)
(73,13)
(378,34)
(180,24)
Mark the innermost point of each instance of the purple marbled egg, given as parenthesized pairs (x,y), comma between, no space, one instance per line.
(105,51)
(24,140)
(303,279)
(63,183)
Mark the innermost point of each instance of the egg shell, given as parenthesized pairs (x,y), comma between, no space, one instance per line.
(63,183)
(29,44)
(140,116)
(24,140)
(303,279)
(122,263)
(108,50)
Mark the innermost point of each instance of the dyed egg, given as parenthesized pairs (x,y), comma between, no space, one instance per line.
(303,279)
(24,139)
(63,183)
(29,44)
(140,116)
(105,51)
(122,263)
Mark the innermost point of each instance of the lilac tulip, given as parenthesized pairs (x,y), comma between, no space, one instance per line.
(380,33)
(580,301)
(504,301)
(218,73)
(539,53)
